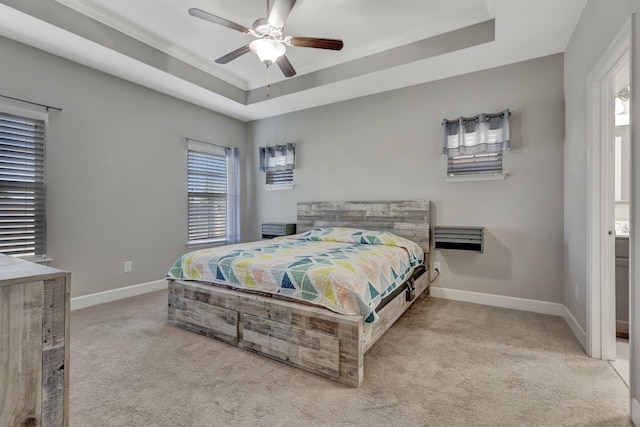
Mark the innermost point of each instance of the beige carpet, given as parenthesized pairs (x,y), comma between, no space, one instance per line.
(444,363)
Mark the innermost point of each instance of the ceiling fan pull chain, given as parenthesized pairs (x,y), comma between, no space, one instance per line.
(268,81)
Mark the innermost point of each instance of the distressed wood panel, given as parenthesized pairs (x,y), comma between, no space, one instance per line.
(53,315)
(34,344)
(230,300)
(54,337)
(53,378)
(305,348)
(21,354)
(275,337)
(209,320)
(305,336)
(406,218)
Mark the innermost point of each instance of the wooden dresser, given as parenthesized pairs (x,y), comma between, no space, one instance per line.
(34,344)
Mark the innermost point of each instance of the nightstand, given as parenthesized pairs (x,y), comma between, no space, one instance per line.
(275,229)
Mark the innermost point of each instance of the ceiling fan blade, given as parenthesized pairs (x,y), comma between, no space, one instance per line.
(332,44)
(217,20)
(233,55)
(285,66)
(279,12)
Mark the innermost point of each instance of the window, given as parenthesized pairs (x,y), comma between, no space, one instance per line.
(22,186)
(279,177)
(207,194)
(481,163)
(278,164)
(474,146)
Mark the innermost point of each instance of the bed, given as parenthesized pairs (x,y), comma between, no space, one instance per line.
(326,336)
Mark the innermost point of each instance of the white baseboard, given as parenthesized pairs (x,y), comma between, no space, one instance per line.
(635,412)
(577,330)
(543,307)
(116,294)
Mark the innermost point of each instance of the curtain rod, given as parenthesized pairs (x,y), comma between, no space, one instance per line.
(48,107)
(205,142)
(487,115)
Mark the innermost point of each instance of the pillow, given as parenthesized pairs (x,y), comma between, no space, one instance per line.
(363,237)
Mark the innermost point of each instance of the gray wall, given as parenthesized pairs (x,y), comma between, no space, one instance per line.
(116,167)
(597,28)
(387,146)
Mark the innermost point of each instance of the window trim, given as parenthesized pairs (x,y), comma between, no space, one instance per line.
(212,150)
(476,177)
(272,187)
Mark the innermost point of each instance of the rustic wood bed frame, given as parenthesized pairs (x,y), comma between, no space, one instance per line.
(308,337)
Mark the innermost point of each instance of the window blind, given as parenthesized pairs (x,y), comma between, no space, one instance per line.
(207,194)
(481,163)
(279,177)
(22,186)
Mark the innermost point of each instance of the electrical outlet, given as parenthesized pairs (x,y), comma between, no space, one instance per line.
(128,266)
(576,291)
(436,266)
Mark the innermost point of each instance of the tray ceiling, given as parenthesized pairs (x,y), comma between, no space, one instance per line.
(387,45)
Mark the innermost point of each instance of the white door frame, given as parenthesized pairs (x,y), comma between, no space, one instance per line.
(634,240)
(601,321)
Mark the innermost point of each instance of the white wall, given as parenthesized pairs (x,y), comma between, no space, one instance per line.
(116,167)
(597,28)
(387,146)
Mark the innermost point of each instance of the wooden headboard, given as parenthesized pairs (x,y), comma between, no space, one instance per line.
(406,218)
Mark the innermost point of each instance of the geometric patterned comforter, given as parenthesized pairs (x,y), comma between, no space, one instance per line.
(343,269)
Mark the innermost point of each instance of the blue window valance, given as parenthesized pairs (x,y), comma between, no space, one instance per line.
(278,158)
(484,133)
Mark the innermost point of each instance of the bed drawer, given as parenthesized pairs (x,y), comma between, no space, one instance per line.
(208,320)
(314,351)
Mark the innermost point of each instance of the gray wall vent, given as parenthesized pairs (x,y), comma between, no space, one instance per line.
(459,238)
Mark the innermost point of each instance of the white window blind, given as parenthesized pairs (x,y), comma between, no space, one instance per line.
(481,163)
(22,186)
(279,177)
(207,194)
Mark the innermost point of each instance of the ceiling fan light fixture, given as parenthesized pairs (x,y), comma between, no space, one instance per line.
(267,50)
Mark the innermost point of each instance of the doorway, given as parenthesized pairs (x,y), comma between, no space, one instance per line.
(622,196)
(601,295)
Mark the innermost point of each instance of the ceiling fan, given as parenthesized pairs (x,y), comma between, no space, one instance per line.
(270,43)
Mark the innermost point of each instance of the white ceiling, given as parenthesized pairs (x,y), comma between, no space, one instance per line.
(524,30)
